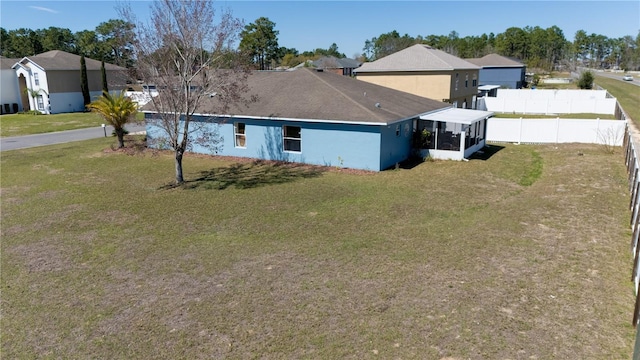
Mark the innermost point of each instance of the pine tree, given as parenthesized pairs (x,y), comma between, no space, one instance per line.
(84,82)
(103,72)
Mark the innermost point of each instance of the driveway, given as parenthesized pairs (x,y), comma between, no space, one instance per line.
(27,141)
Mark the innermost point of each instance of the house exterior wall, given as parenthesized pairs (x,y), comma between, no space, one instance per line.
(9,89)
(66,81)
(433,85)
(395,145)
(436,85)
(69,102)
(66,95)
(30,74)
(326,144)
(462,88)
(510,78)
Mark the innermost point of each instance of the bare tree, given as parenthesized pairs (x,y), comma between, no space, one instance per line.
(185,49)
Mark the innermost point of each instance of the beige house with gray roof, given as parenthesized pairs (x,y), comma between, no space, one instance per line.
(424,71)
(50,82)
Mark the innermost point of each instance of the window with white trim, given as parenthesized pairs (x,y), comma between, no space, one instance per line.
(291,138)
(36,80)
(239,134)
(40,102)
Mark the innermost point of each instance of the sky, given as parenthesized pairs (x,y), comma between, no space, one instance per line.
(307,25)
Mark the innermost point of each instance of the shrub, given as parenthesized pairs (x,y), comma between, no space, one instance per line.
(586,80)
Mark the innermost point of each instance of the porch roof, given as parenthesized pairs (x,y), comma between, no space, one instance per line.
(457,115)
(488,87)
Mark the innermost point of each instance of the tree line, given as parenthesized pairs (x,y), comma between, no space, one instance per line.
(546,49)
(110,41)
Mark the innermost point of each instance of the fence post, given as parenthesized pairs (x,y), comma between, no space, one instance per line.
(520,135)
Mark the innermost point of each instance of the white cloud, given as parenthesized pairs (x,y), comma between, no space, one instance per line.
(44,9)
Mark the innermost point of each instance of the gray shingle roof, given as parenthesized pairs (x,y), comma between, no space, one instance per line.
(310,94)
(495,60)
(329,62)
(418,57)
(60,60)
(7,63)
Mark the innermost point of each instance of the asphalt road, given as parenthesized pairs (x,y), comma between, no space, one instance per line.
(27,141)
(636,78)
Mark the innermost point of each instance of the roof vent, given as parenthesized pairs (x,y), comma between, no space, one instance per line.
(378,105)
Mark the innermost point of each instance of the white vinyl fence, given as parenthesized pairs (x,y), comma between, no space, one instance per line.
(549,102)
(591,131)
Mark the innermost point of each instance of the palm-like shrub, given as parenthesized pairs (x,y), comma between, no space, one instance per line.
(116,111)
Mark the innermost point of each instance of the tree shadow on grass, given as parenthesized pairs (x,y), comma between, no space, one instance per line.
(250,175)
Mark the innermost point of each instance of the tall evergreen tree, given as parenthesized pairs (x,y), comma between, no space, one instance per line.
(103,72)
(84,82)
(260,41)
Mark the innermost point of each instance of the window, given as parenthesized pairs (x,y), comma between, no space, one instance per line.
(36,80)
(466,83)
(291,138)
(239,133)
(474,82)
(40,102)
(397,130)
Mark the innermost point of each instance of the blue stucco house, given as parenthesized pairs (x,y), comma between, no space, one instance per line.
(322,118)
(501,71)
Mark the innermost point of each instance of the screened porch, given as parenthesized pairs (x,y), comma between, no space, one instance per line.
(451,134)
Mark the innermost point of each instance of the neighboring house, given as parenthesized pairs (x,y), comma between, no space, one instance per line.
(53,79)
(501,71)
(340,66)
(424,71)
(321,118)
(10,99)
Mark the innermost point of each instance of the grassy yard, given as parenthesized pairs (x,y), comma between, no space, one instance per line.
(524,255)
(628,95)
(26,124)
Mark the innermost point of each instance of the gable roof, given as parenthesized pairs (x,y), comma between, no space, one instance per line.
(418,57)
(61,60)
(495,60)
(332,62)
(7,63)
(309,94)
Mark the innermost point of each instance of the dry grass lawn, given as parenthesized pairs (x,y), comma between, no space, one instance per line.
(524,255)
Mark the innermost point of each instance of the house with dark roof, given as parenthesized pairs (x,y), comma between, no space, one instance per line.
(500,71)
(340,66)
(424,71)
(10,101)
(51,82)
(321,118)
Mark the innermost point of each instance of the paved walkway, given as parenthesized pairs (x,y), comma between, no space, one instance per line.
(27,141)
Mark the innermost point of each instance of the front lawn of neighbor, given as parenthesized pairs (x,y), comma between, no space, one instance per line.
(27,124)
(524,255)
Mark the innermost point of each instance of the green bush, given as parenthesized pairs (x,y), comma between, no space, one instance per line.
(30,112)
(586,80)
